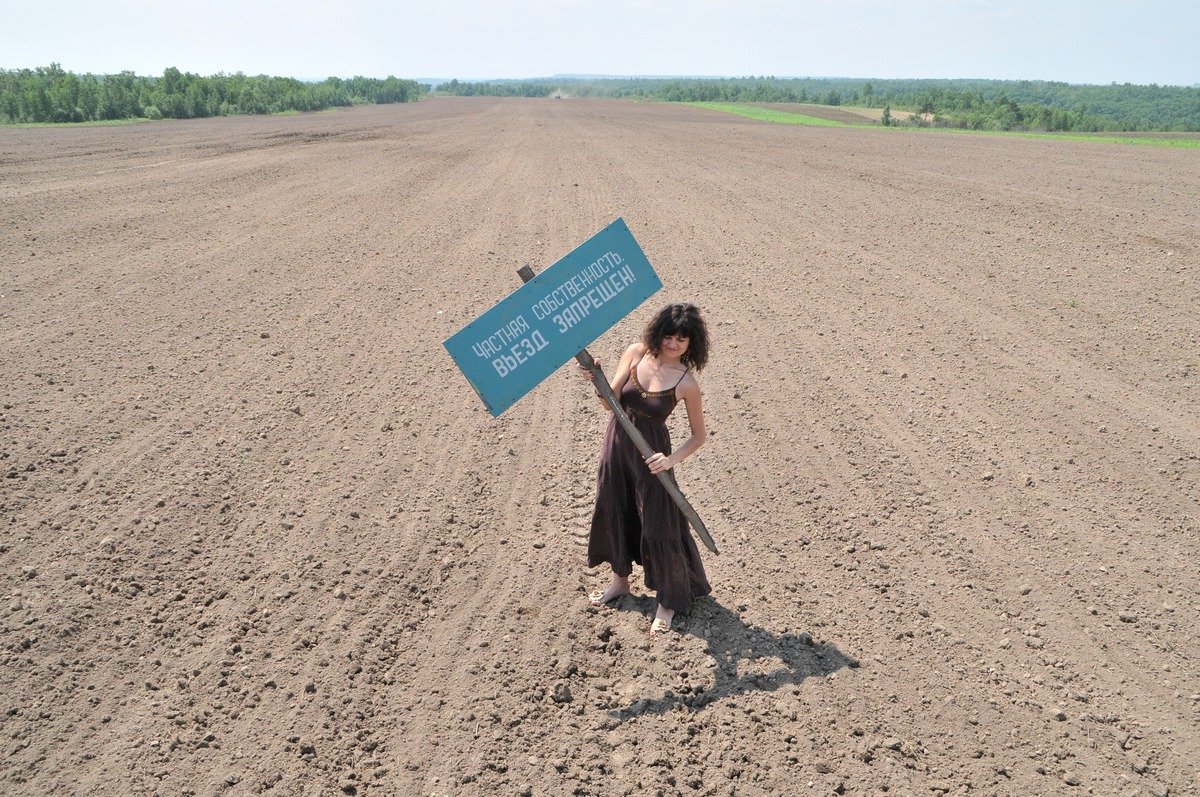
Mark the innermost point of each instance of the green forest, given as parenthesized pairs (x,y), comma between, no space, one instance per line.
(50,94)
(1035,105)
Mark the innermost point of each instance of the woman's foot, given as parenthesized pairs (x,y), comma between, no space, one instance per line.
(618,587)
(662,621)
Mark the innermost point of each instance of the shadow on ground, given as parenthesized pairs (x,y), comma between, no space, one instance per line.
(730,640)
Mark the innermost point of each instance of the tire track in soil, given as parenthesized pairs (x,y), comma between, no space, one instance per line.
(511,576)
(450,470)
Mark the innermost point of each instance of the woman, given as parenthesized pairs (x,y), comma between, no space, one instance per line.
(635,518)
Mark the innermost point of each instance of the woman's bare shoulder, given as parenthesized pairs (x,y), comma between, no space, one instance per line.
(636,350)
(688,383)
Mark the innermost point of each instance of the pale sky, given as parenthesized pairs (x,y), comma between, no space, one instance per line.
(1078,41)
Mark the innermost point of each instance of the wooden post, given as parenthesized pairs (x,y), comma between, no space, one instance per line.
(585,359)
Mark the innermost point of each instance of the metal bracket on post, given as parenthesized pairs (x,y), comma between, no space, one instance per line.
(585,359)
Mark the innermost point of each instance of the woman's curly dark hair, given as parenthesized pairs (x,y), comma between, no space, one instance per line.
(683,319)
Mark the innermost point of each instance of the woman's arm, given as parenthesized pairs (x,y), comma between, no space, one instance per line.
(689,391)
(620,376)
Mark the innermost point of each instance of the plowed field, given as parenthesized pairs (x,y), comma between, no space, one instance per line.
(257,535)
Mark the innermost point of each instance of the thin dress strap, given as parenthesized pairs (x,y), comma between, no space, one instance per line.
(685,373)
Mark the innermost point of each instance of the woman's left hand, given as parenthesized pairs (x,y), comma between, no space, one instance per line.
(659,463)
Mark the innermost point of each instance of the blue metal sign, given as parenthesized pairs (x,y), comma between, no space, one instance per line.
(510,349)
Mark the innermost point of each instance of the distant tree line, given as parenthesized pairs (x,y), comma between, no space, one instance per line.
(50,94)
(974,104)
(498,88)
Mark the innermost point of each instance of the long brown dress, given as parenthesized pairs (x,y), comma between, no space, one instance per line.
(635,519)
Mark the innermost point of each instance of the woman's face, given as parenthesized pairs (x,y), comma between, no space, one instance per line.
(674,346)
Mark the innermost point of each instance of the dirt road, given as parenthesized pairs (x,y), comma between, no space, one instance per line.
(259,536)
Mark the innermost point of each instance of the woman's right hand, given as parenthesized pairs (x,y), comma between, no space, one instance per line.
(586,373)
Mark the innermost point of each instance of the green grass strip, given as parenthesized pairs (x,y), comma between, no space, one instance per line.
(770,114)
(93,123)
(784,117)
(1175,143)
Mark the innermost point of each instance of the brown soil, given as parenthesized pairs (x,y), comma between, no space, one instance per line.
(259,536)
